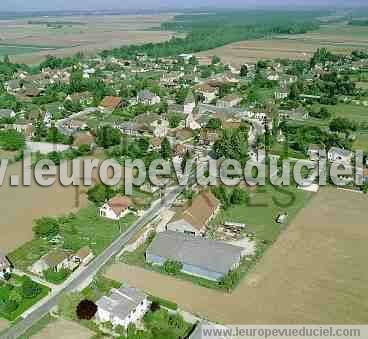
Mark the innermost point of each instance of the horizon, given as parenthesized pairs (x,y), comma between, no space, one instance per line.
(88,6)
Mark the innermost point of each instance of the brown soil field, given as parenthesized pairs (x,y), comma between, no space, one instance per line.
(315,273)
(62,329)
(96,34)
(21,205)
(337,38)
(3,324)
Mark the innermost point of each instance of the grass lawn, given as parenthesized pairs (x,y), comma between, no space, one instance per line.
(278,149)
(27,254)
(260,213)
(99,287)
(88,228)
(77,230)
(15,283)
(19,49)
(361,142)
(352,112)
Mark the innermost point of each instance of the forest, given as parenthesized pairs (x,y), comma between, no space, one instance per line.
(208,31)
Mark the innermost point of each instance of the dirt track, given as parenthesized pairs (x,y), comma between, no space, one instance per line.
(314,274)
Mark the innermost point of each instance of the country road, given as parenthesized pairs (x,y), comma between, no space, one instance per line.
(80,277)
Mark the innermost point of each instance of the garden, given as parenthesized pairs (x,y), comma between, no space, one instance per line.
(18,294)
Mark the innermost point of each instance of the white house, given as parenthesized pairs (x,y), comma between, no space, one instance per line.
(123,307)
(55,260)
(83,256)
(148,98)
(116,208)
(230,100)
(339,154)
(191,123)
(316,152)
(209,93)
(5,266)
(47,119)
(189,104)
(160,128)
(7,113)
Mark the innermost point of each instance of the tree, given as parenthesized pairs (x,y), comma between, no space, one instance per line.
(30,289)
(155,306)
(15,296)
(238,196)
(172,267)
(12,140)
(76,81)
(221,194)
(214,123)
(86,310)
(6,59)
(100,193)
(342,125)
(40,130)
(232,145)
(294,92)
(183,163)
(166,151)
(46,227)
(193,61)
(108,136)
(215,60)
(229,280)
(174,120)
(243,71)
(181,95)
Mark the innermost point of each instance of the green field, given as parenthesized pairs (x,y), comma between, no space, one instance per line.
(350,111)
(14,285)
(361,142)
(81,229)
(20,49)
(260,213)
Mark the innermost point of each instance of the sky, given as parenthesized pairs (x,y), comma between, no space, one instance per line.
(39,5)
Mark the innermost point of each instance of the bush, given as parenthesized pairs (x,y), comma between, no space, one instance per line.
(86,309)
(155,306)
(164,303)
(55,277)
(9,306)
(100,193)
(239,197)
(172,267)
(46,227)
(30,289)
(84,149)
(229,280)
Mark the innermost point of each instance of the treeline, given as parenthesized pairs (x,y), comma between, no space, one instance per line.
(204,32)
(358,22)
(56,23)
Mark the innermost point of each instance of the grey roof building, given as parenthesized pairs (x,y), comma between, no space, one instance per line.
(6,113)
(201,257)
(123,306)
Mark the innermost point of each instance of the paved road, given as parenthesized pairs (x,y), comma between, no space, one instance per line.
(80,277)
(60,123)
